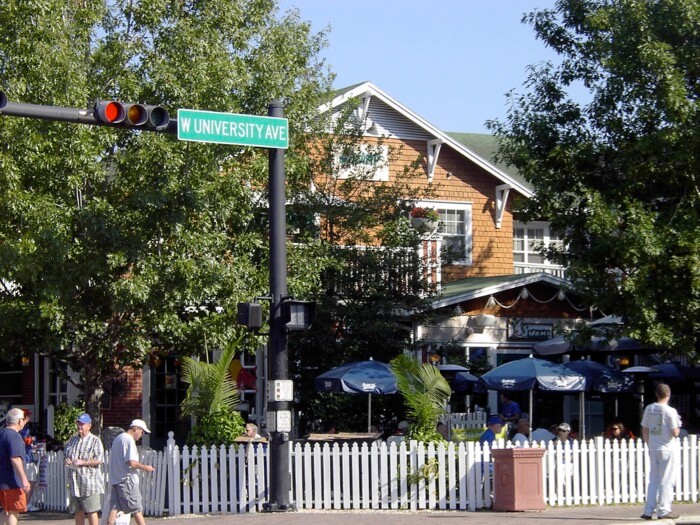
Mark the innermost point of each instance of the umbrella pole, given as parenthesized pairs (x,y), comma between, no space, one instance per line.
(369,413)
(582,414)
(531,407)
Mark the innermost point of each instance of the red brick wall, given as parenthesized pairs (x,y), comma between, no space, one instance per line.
(126,405)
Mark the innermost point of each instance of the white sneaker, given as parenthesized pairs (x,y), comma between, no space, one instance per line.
(32,508)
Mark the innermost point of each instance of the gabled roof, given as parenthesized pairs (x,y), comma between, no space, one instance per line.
(455,141)
(473,287)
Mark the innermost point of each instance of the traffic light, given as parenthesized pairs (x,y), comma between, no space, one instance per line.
(250,315)
(132,116)
(103,113)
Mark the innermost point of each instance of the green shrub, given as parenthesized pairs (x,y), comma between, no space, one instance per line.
(64,420)
(218,428)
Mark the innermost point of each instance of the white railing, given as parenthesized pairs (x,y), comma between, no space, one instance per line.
(455,476)
(554,269)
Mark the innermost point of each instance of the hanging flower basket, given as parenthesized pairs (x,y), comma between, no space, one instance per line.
(423,224)
(424,219)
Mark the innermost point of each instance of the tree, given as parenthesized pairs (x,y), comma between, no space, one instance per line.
(110,239)
(212,398)
(616,174)
(425,393)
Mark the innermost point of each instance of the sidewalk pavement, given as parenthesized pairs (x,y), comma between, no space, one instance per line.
(617,514)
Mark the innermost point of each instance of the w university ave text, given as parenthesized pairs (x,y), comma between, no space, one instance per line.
(231,128)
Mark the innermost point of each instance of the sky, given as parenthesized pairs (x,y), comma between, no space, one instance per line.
(449,61)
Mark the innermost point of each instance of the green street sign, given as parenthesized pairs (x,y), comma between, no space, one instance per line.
(231,128)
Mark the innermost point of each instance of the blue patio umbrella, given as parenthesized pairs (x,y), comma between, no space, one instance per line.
(530,373)
(602,379)
(458,377)
(360,377)
(466,382)
(674,372)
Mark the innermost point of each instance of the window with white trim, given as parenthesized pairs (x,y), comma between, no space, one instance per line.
(455,229)
(529,237)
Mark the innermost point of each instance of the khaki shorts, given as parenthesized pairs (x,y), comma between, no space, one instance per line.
(126,497)
(88,504)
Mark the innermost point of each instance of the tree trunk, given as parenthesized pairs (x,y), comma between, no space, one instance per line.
(93,396)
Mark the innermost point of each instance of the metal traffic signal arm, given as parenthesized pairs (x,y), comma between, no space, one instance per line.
(104,113)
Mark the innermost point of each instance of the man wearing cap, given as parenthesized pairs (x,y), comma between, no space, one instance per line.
(495,424)
(13,480)
(125,495)
(84,456)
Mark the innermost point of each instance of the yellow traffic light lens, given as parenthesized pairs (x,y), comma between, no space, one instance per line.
(136,114)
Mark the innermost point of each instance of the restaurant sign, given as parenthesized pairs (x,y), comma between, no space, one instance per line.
(518,328)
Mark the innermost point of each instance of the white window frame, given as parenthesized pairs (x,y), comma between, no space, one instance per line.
(381,172)
(529,246)
(465,207)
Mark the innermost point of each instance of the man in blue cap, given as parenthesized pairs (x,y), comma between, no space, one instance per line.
(84,456)
(495,425)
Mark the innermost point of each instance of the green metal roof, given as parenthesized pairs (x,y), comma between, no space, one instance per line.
(486,146)
(471,287)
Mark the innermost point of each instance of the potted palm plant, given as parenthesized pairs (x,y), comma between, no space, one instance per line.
(424,219)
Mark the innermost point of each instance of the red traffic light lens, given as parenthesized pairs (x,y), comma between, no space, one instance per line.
(112,112)
(109,112)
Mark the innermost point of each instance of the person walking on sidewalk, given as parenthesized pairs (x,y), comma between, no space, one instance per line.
(14,484)
(660,428)
(84,457)
(125,495)
(31,469)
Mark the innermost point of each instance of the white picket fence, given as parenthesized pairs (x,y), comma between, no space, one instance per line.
(413,476)
(54,495)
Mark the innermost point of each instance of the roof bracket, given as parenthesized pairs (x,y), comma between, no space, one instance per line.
(502,191)
(434,146)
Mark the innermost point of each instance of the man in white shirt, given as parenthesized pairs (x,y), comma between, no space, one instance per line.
(522,436)
(123,476)
(660,428)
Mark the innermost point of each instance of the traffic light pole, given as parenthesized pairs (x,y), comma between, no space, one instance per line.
(280,477)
